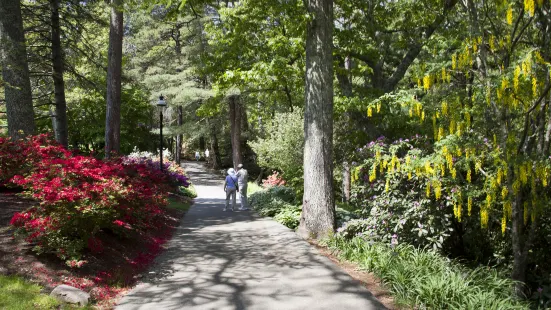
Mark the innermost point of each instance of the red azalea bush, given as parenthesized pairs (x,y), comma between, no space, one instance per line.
(80,196)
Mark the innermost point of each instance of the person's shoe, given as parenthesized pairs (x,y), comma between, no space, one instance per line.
(243,209)
(225,209)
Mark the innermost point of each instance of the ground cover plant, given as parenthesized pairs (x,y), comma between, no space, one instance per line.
(424,279)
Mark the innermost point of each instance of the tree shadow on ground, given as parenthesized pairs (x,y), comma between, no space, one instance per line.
(237,260)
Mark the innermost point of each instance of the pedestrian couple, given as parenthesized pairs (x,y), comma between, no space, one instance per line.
(236,182)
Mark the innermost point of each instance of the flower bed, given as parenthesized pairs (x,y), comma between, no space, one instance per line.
(80,196)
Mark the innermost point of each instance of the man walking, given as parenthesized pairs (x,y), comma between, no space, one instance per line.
(207,153)
(242,178)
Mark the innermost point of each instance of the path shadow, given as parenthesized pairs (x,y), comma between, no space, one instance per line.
(237,260)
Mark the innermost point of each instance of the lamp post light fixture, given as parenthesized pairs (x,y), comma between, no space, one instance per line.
(161,103)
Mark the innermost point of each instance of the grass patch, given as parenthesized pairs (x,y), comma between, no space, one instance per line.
(17,293)
(424,279)
(178,204)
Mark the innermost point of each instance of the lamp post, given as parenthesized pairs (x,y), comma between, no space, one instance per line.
(161,103)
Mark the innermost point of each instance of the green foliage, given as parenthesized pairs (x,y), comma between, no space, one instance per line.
(289,216)
(426,280)
(252,188)
(18,294)
(277,202)
(87,118)
(281,148)
(188,191)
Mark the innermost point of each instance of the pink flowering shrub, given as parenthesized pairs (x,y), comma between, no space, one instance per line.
(80,196)
(273,180)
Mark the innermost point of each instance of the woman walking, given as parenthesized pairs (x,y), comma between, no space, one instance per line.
(230,187)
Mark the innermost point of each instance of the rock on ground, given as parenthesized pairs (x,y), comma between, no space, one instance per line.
(69,294)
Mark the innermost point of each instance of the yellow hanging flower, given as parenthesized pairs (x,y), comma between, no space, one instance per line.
(522,174)
(449,160)
(516,186)
(535,87)
(510,16)
(444,108)
(504,84)
(454,173)
(378,107)
(488,200)
(427,82)
(409,175)
(373,174)
(508,209)
(387,185)
(504,192)
(444,75)
(499,176)
(484,218)
(369,112)
(469,175)
(437,190)
(503,224)
(530,7)
(440,133)
(459,212)
(516,78)
(422,116)
(428,189)
(469,205)
(419,83)
(492,43)
(454,61)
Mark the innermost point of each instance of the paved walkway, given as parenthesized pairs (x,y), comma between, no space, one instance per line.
(237,260)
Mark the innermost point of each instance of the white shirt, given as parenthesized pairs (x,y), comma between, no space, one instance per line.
(242,176)
(207,153)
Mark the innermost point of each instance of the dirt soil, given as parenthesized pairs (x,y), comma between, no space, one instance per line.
(369,280)
(107,276)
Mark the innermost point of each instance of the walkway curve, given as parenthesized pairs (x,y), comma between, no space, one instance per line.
(237,260)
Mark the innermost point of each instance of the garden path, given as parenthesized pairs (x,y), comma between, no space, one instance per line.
(238,260)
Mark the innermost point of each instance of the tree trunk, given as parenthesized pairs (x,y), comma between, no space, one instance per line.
(318,211)
(15,71)
(179,138)
(60,118)
(202,144)
(235,121)
(346,181)
(346,89)
(215,150)
(114,72)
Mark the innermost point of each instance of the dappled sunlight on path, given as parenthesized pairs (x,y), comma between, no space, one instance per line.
(237,260)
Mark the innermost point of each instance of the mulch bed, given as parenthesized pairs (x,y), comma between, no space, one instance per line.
(107,276)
